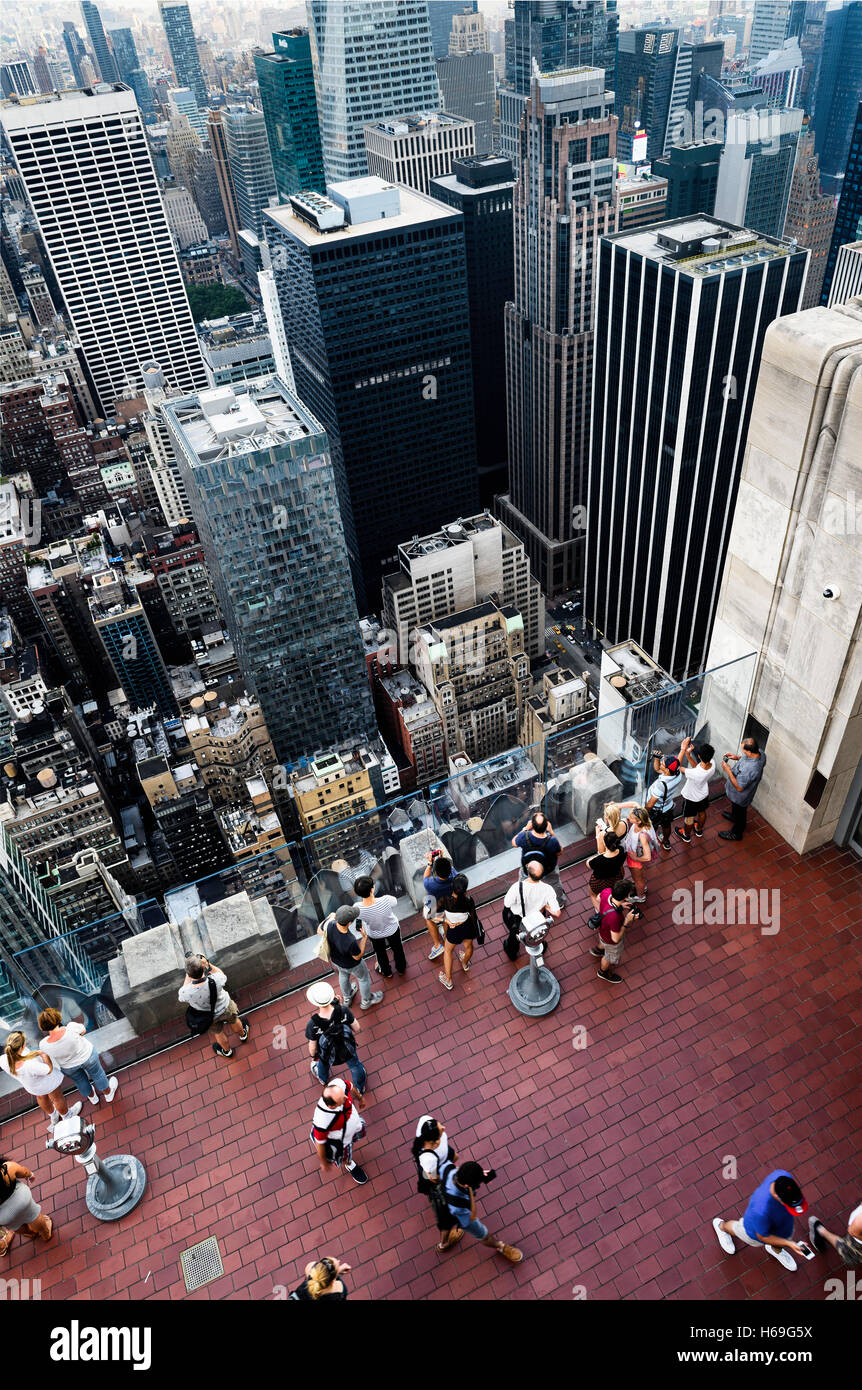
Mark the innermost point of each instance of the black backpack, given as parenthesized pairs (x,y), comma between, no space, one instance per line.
(336,1043)
(199,1021)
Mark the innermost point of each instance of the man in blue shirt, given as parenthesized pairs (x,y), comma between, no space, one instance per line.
(768,1219)
(460,1186)
(740,784)
(537,841)
(437,884)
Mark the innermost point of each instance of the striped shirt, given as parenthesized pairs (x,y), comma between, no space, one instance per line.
(378,917)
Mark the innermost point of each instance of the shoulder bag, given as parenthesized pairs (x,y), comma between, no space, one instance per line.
(199,1021)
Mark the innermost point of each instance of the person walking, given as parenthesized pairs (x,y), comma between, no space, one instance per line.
(848,1246)
(740,785)
(615,916)
(196,992)
(660,795)
(330,1032)
(38,1076)
(437,884)
(639,845)
(76,1057)
(698,769)
(461,926)
(460,1186)
(606,867)
(346,949)
(19,1211)
(526,896)
(323,1279)
(433,1153)
(335,1128)
(768,1219)
(381,926)
(538,841)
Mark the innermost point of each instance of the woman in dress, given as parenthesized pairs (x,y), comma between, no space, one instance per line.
(20,1214)
(461,926)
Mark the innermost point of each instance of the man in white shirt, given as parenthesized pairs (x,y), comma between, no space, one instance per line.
(195,991)
(698,769)
(531,895)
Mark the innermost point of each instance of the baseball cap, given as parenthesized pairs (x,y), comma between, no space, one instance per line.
(345,915)
(672,764)
(320,994)
(789,1194)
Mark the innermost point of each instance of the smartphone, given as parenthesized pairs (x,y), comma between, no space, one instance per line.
(805,1248)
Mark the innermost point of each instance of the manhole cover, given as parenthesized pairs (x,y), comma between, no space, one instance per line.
(201,1264)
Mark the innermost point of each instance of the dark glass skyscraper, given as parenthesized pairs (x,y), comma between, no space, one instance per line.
(180,34)
(125,52)
(643,85)
(839,91)
(691,171)
(104,57)
(557,35)
(372,284)
(75,49)
(848,222)
(286,81)
(681,313)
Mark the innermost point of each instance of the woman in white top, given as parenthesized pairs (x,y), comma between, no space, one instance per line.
(698,769)
(76,1056)
(431,1149)
(38,1075)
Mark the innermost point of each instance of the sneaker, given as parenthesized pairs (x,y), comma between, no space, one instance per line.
(665,844)
(93,1098)
(686,839)
(783,1256)
(597,952)
(814,1236)
(375,999)
(358,1174)
(55,1116)
(447,984)
(113,1087)
(243,1037)
(315,1073)
(220,1051)
(73,1110)
(465,964)
(350,994)
(725,1240)
(638,900)
(510,1253)
(610,978)
(595,921)
(699,834)
(437,951)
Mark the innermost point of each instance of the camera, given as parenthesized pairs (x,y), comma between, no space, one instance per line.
(832,591)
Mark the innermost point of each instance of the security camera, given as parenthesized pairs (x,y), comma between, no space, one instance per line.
(832,591)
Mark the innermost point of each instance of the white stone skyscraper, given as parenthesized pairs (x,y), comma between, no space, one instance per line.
(87,170)
(369,61)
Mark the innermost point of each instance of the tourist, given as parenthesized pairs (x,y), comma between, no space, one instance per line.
(606,867)
(461,926)
(849,1247)
(330,1032)
(76,1057)
(203,990)
(433,1155)
(526,896)
(381,927)
(615,916)
(335,1128)
(19,1211)
(660,795)
(538,841)
(346,948)
(698,769)
(460,1186)
(323,1279)
(768,1219)
(640,842)
(437,884)
(740,785)
(38,1076)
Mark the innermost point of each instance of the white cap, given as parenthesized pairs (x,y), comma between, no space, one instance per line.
(320,994)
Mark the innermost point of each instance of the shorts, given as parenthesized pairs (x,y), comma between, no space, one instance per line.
(598,885)
(613,951)
(632,862)
(741,1234)
(431,911)
(475,1228)
(662,820)
(691,809)
(230,1015)
(850,1249)
(457,935)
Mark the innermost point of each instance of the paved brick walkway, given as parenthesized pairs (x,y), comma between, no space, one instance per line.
(722,1042)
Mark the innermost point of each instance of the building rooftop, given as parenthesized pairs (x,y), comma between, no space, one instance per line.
(702,245)
(415,210)
(427,122)
(239,419)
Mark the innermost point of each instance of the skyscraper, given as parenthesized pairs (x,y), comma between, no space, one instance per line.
(810,217)
(756,169)
(182,102)
(643,86)
(468,88)
(373,291)
(414,149)
(692,60)
(125,52)
(564,202)
(369,61)
(250,163)
(681,312)
(482,189)
(16,76)
(286,82)
(179,31)
(90,180)
(839,91)
(218,144)
(441,14)
(260,481)
(848,219)
(104,57)
(774,21)
(691,171)
(75,49)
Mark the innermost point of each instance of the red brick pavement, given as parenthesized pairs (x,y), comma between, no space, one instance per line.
(722,1041)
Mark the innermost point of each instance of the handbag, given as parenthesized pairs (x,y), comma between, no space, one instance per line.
(199,1021)
(321,950)
(512,922)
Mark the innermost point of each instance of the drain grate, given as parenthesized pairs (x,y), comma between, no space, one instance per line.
(201,1264)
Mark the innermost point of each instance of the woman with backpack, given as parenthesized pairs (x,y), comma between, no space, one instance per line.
(434,1156)
(461,926)
(640,844)
(330,1033)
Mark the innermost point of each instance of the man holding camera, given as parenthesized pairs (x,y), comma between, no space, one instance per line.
(538,841)
(195,992)
(740,784)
